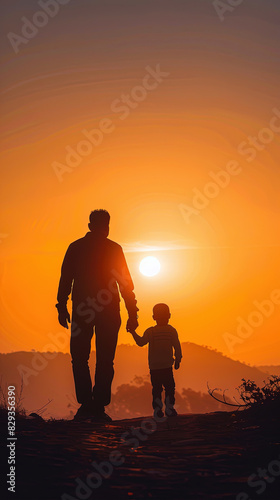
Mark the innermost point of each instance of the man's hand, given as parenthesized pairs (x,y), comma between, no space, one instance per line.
(177,364)
(132,324)
(63,317)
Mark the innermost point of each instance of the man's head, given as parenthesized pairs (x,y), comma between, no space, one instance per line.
(99,221)
(161,314)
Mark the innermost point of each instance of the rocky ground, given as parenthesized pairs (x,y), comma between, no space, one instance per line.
(194,457)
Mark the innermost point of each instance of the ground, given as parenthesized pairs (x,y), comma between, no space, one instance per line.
(195,457)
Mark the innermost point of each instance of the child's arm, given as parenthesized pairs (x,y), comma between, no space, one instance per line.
(178,350)
(141,341)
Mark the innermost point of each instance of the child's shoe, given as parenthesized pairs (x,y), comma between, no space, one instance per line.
(158,413)
(171,412)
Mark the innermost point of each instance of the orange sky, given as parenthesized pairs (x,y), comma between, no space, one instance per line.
(222,87)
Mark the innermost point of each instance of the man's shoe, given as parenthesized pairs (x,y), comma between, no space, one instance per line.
(101,416)
(171,412)
(85,412)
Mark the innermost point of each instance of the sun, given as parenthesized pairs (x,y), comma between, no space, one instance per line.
(149,266)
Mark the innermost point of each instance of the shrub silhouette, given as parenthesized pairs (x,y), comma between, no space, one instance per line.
(253,396)
(19,410)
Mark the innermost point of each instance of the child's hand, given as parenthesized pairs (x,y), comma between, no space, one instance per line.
(177,364)
(131,324)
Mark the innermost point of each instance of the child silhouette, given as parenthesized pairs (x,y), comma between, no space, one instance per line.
(162,338)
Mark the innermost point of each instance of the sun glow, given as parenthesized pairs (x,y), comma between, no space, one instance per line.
(149,266)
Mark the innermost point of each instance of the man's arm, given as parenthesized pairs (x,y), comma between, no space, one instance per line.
(65,286)
(126,287)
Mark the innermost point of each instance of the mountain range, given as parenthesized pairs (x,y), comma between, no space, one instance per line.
(43,377)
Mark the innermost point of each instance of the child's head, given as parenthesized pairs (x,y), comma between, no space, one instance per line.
(161,314)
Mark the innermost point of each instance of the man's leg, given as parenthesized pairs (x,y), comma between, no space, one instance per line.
(107,327)
(80,343)
(156,379)
(169,386)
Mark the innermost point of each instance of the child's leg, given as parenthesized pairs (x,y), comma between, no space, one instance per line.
(156,379)
(169,386)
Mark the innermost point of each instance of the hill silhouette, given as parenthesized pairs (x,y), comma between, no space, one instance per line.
(48,376)
(270,369)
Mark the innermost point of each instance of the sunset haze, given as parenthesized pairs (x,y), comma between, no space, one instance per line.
(169,118)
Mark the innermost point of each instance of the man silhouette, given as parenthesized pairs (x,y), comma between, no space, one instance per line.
(95,269)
